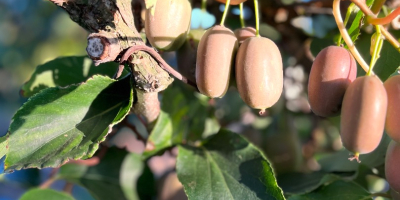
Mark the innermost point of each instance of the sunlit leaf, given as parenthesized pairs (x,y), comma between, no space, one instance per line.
(59,124)
(226,167)
(185,116)
(45,194)
(65,71)
(3,145)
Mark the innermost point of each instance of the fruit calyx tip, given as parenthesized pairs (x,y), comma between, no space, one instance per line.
(356,157)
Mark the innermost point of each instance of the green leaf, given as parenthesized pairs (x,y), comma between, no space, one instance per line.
(3,145)
(131,169)
(337,190)
(226,167)
(338,162)
(65,71)
(185,116)
(318,44)
(101,180)
(358,21)
(299,183)
(45,194)
(389,59)
(59,124)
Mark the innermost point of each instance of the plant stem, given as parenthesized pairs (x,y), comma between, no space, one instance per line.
(159,59)
(241,15)
(203,5)
(348,13)
(256,10)
(377,5)
(364,8)
(377,49)
(346,37)
(68,187)
(51,179)
(384,20)
(225,12)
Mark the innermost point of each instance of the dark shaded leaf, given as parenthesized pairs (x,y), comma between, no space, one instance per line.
(226,167)
(337,190)
(131,169)
(45,194)
(338,162)
(299,183)
(65,71)
(101,180)
(146,184)
(59,124)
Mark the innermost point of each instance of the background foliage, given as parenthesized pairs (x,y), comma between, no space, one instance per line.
(304,151)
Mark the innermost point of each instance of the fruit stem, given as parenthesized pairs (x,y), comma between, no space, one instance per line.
(225,12)
(257,18)
(384,20)
(356,157)
(377,49)
(389,37)
(348,13)
(241,15)
(261,112)
(204,5)
(346,37)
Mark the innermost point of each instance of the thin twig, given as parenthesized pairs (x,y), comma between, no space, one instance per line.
(389,37)
(159,59)
(133,128)
(384,20)
(346,37)
(68,187)
(50,180)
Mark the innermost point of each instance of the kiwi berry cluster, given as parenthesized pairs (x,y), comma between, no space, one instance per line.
(366,105)
(256,61)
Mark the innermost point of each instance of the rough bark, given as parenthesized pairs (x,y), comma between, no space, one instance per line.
(112,27)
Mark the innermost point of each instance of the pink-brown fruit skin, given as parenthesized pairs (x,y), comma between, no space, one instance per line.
(392,86)
(186,55)
(332,71)
(392,165)
(259,73)
(243,33)
(215,54)
(232,2)
(363,114)
(167,29)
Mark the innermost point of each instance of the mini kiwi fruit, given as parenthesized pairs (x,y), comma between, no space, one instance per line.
(392,165)
(215,58)
(259,73)
(363,115)
(392,86)
(332,71)
(233,2)
(167,29)
(243,33)
(187,54)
